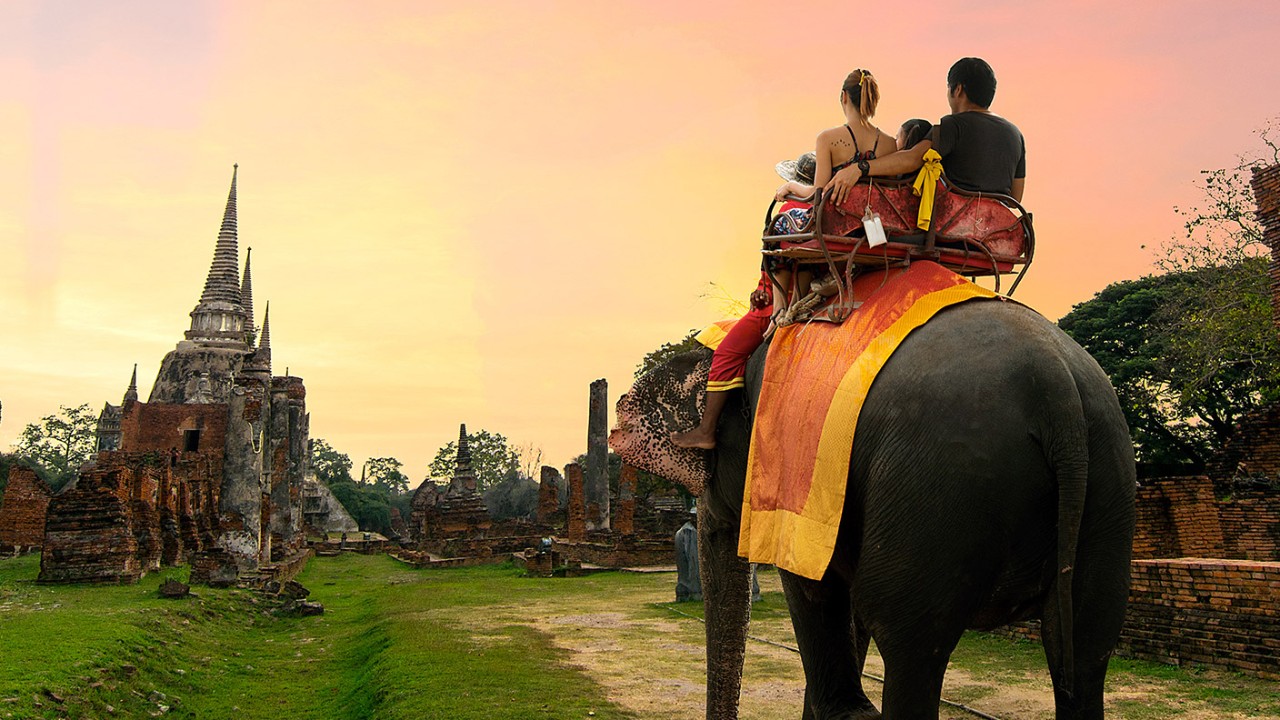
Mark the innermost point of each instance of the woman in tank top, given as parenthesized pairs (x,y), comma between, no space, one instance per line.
(856,141)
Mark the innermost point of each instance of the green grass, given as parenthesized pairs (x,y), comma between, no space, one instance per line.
(461,644)
(376,652)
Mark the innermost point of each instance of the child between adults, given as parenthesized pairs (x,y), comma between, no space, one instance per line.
(836,148)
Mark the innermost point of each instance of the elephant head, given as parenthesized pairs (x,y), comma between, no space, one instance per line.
(668,397)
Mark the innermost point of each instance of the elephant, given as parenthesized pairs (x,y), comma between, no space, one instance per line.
(992,480)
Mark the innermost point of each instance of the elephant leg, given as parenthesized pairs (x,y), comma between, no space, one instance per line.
(726,596)
(913,679)
(832,648)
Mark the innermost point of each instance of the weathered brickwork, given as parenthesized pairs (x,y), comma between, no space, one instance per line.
(163,427)
(1266,191)
(625,512)
(1251,523)
(577,503)
(1222,614)
(1214,613)
(22,510)
(130,513)
(1177,517)
(549,496)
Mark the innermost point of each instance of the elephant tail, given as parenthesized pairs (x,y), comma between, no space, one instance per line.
(1068,453)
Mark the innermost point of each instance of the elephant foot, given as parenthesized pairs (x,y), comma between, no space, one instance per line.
(695,438)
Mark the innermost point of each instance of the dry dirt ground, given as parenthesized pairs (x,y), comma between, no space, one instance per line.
(650,661)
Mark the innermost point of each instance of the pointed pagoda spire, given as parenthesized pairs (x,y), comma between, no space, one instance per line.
(265,344)
(246,300)
(132,392)
(222,283)
(464,451)
(260,360)
(219,318)
(464,477)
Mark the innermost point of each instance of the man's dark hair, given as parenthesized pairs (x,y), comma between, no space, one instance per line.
(977,77)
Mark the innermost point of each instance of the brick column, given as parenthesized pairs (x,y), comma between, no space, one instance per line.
(624,515)
(548,495)
(577,504)
(1266,192)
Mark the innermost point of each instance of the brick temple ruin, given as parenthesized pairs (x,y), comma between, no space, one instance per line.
(450,524)
(209,470)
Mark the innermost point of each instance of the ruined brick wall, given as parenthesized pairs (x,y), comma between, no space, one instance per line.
(1222,614)
(1177,517)
(89,532)
(22,509)
(1254,449)
(161,426)
(1217,613)
(131,513)
(1251,523)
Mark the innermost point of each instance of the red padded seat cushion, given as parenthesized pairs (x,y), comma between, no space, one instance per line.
(897,207)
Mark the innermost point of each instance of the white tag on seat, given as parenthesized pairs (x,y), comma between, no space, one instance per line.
(874,229)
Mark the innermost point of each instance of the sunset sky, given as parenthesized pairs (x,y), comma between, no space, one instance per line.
(466,212)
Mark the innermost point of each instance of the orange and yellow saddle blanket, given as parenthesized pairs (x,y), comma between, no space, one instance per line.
(815,380)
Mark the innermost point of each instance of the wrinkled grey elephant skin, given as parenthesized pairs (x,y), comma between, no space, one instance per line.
(992,480)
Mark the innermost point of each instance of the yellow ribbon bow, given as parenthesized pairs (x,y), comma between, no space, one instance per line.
(926,185)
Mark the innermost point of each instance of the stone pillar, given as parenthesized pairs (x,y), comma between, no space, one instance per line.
(597,479)
(548,495)
(577,506)
(1266,192)
(624,516)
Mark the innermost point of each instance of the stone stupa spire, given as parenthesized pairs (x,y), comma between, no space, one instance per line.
(132,393)
(464,477)
(246,300)
(219,319)
(260,360)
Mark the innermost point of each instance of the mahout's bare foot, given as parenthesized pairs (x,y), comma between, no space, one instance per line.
(695,438)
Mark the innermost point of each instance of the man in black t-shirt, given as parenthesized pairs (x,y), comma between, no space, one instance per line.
(980,151)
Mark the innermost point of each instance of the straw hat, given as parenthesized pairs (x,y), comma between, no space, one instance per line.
(800,170)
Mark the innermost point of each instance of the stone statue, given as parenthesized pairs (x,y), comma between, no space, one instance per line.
(688,583)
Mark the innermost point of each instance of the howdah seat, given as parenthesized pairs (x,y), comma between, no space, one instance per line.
(973,234)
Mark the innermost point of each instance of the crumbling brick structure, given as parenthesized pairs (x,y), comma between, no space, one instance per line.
(577,503)
(22,511)
(209,470)
(1177,517)
(452,512)
(1221,614)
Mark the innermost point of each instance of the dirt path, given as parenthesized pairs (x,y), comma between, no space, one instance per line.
(650,660)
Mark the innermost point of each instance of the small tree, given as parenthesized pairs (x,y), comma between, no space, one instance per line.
(665,352)
(329,465)
(1194,349)
(59,444)
(384,473)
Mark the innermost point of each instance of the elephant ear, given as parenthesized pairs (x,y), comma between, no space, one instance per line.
(666,399)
